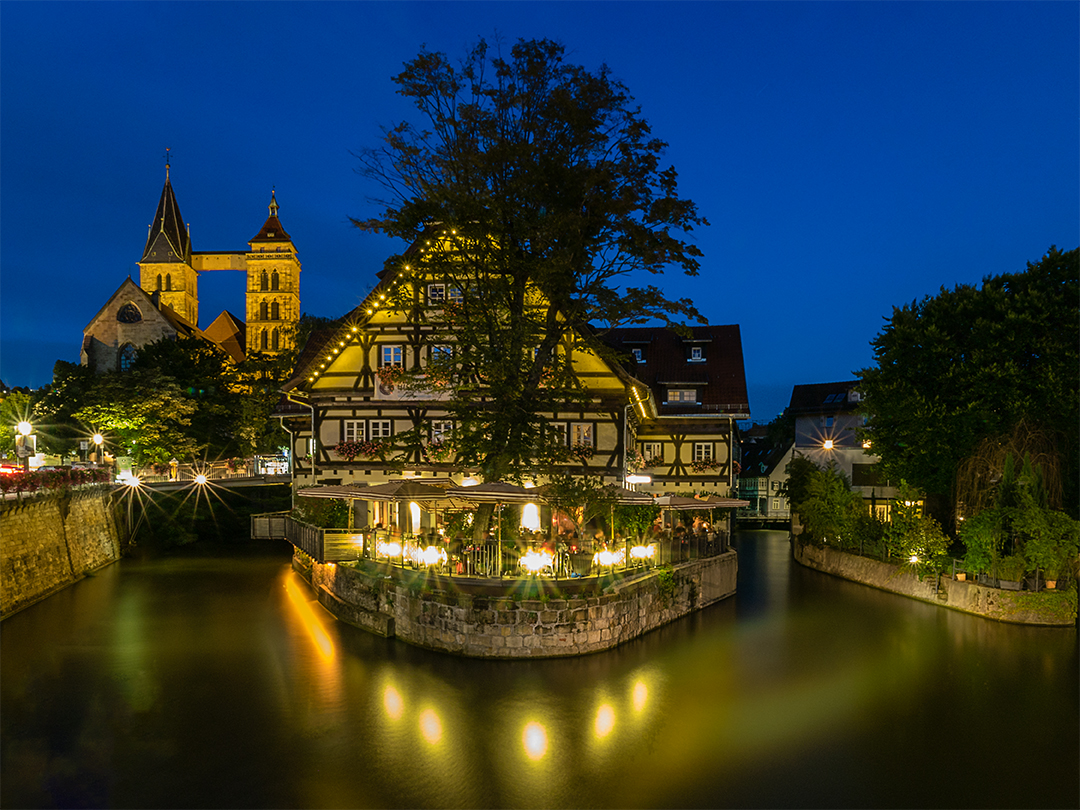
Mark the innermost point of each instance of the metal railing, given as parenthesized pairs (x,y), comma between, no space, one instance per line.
(489,560)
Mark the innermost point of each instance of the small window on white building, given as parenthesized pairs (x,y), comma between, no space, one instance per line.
(582,434)
(379,428)
(652,450)
(392,356)
(352,430)
(436,293)
(703,451)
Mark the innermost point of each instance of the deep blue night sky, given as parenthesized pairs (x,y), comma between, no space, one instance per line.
(849,156)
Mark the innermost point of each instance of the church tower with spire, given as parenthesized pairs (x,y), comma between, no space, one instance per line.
(166,267)
(273,287)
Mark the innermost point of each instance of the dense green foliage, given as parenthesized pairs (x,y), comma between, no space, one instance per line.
(970,364)
(535,176)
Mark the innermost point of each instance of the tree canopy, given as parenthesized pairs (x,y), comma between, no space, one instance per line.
(969,365)
(542,188)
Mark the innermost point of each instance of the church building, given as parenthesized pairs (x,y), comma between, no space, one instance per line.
(165,302)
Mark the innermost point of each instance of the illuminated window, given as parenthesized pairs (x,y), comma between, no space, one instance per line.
(583,434)
(682,395)
(703,451)
(352,430)
(392,356)
(652,450)
(379,428)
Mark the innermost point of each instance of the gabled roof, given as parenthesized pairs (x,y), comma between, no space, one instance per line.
(272,230)
(821,398)
(761,459)
(228,332)
(719,377)
(168,240)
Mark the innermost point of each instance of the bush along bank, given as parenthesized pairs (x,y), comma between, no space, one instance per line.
(1019,557)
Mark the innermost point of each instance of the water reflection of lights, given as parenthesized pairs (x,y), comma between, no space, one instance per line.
(535,741)
(430,726)
(641,695)
(318,634)
(605,720)
(393,703)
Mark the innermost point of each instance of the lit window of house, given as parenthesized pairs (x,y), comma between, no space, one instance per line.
(703,451)
(652,450)
(392,356)
(441,430)
(379,428)
(582,434)
(352,430)
(682,395)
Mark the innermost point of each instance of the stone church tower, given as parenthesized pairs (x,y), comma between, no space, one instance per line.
(169,270)
(273,287)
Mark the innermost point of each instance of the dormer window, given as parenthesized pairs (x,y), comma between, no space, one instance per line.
(637,354)
(682,395)
(695,354)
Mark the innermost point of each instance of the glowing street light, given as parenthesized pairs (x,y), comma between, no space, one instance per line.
(23,442)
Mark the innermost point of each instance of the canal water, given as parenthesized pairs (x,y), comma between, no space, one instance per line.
(217,681)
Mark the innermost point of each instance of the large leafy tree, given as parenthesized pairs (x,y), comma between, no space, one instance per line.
(538,190)
(972,363)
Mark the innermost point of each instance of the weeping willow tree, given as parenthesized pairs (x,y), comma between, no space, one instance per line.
(988,476)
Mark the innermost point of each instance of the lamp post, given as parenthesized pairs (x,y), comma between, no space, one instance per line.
(98,441)
(24,442)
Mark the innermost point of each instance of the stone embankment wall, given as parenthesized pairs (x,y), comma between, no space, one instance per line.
(1023,607)
(50,540)
(442,615)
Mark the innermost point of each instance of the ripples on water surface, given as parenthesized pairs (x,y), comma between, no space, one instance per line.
(220,682)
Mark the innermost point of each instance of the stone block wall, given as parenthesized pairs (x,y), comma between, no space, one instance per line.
(51,540)
(1021,607)
(505,626)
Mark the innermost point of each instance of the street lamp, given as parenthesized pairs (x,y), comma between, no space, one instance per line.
(24,442)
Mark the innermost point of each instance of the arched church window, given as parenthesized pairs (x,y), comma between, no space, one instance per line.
(275,311)
(262,281)
(277,340)
(264,339)
(129,313)
(127,356)
(168,281)
(274,281)
(264,311)
(158,281)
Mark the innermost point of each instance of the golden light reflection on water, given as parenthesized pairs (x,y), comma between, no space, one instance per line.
(310,622)
(641,696)
(393,703)
(431,726)
(605,720)
(534,739)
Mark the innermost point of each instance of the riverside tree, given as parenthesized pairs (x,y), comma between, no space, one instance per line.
(970,364)
(543,190)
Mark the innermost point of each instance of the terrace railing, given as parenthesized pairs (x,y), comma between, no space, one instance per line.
(483,560)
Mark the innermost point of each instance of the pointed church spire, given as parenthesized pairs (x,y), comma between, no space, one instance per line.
(168,240)
(273,204)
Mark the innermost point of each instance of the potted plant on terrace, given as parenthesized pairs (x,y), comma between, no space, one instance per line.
(1010,571)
